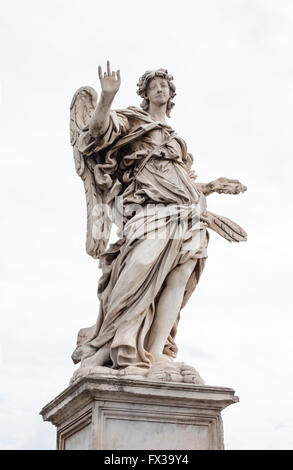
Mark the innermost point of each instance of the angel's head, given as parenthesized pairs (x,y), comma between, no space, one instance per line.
(156,86)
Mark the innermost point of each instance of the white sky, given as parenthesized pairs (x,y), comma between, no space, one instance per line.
(232,64)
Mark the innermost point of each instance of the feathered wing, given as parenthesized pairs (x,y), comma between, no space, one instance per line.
(226,228)
(98,223)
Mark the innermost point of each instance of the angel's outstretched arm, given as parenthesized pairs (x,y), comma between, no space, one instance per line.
(221,185)
(110,84)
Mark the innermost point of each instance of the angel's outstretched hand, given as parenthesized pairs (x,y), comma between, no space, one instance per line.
(227,186)
(110,81)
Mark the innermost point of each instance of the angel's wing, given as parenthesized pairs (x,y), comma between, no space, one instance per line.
(98,222)
(226,228)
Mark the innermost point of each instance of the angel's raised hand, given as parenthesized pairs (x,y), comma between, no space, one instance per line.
(110,81)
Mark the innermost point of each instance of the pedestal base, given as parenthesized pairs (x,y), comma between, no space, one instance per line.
(115,414)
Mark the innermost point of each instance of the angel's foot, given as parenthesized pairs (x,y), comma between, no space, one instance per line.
(88,364)
(82,352)
(101,357)
(160,357)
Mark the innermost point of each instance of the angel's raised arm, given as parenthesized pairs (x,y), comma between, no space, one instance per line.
(110,84)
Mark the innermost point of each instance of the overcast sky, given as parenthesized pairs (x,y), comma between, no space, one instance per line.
(233,69)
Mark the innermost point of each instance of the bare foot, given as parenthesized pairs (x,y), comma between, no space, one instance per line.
(101,357)
(160,357)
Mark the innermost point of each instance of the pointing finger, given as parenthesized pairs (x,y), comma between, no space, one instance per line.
(100,72)
(108,68)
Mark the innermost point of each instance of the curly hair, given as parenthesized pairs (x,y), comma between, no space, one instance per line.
(143,84)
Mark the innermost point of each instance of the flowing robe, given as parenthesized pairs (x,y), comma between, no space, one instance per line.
(147,165)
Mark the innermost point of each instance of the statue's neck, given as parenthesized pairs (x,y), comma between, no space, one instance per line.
(158,113)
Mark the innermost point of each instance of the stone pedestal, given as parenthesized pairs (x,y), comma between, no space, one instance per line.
(119,413)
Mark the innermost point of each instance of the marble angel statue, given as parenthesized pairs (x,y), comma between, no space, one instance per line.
(133,156)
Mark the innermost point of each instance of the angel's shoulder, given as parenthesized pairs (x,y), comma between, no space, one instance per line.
(128,119)
(133,113)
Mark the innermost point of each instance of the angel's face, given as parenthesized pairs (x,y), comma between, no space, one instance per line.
(158,91)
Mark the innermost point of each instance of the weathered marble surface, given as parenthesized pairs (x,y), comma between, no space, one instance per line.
(167,372)
(113,413)
(137,173)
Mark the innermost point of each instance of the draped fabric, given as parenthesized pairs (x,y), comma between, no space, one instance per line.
(146,165)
